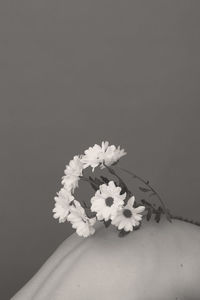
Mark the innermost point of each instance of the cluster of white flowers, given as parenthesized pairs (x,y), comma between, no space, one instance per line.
(100,155)
(62,205)
(72,172)
(108,203)
(80,222)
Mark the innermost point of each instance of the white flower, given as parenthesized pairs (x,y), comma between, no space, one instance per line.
(79,220)
(62,204)
(112,155)
(107,200)
(70,182)
(92,157)
(72,173)
(128,216)
(98,155)
(75,167)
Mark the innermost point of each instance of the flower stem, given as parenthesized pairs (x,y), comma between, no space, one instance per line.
(93,183)
(112,171)
(84,178)
(154,192)
(88,180)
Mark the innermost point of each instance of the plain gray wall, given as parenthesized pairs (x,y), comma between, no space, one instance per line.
(74,73)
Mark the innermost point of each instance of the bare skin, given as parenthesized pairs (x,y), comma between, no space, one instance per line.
(157,262)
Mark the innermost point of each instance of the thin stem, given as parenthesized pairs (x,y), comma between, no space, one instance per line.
(154,192)
(88,180)
(84,178)
(149,204)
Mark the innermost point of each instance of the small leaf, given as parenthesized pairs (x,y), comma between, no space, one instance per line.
(149,208)
(107,223)
(157,218)
(168,216)
(149,214)
(143,201)
(158,214)
(143,189)
(89,213)
(92,215)
(98,181)
(104,179)
(137,227)
(123,187)
(123,233)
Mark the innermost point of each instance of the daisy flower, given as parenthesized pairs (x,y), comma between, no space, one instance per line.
(128,216)
(62,204)
(107,201)
(79,220)
(98,155)
(92,157)
(70,183)
(112,155)
(72,173)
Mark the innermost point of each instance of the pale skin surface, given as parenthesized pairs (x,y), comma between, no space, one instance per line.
(157,262)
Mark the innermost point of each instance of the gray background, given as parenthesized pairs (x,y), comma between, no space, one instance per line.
(73,73)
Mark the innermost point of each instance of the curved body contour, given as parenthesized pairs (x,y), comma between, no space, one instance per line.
(157,262)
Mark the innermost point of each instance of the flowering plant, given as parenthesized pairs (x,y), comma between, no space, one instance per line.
(113,202)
